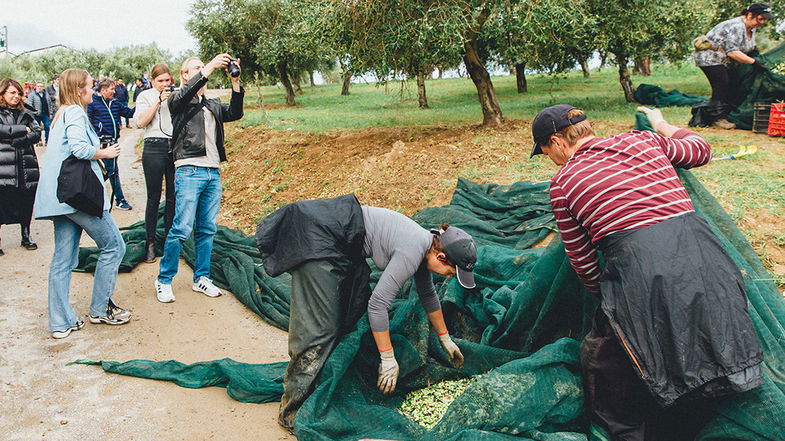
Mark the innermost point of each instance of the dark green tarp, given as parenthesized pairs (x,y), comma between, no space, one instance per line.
(755,86)
(521,327)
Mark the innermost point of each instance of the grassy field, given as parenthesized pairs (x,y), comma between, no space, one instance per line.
(355,137)
(454,101)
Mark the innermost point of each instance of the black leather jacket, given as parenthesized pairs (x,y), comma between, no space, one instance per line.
(188,123)
(18,162)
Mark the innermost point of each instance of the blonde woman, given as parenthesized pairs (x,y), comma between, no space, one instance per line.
(72,134)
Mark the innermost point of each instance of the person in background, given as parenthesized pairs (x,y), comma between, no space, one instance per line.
(42,105)
(121,95)
(72,134)
(731,41)
(146,81)
(54,93)
(138,88)
(19,132)
(672,332)
(105,113)
(323,244)
(198,149)
(152,114)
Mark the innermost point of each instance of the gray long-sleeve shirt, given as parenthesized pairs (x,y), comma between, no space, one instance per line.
(397,245)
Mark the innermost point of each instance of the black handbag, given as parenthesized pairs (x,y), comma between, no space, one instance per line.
(79,187)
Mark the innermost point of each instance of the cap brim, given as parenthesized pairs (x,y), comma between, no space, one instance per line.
(536,150)
(767,15)
(465,278)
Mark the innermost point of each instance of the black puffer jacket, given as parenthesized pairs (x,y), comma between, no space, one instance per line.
(188,121)
(18,163)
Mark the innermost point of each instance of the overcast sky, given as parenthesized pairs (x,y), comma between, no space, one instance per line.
(96,24)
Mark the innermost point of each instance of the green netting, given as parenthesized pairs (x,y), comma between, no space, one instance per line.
(521,329)
(652,95)
(755,86)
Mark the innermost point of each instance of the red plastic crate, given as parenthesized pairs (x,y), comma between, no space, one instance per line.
(777,119)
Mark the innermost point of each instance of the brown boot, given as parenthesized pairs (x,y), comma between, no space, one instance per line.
(150,251)
(723,123)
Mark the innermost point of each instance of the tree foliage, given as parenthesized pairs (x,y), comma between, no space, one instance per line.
(272,37)
(631,29)
(128,62)
(394,37)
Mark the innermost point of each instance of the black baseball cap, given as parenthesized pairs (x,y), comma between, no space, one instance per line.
(551,120)
(459,247)
(761,9)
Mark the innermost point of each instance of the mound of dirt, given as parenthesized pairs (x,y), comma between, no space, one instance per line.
(405,169)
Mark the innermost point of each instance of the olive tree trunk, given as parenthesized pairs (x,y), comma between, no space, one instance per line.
(585,69)
(310,77)
(520,77)
(347,80)
(491,111)
(643,66)
(296,80)
(624,78)
(421,97)
(283,71)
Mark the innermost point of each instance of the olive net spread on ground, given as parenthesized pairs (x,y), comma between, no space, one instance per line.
(754,86)
(520,328)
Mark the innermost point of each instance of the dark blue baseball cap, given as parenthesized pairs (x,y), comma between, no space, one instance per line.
(551,120)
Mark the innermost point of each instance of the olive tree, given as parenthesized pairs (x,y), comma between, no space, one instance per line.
(397,36)
(630,29)
(269,36)
(543,35)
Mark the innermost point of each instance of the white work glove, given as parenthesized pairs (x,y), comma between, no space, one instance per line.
(456,357)
(388,372)
(654,115)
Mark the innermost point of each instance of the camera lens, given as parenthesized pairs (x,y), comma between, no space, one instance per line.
(233,69)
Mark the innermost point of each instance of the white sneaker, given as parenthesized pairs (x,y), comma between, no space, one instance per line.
(164,292)
(205,285)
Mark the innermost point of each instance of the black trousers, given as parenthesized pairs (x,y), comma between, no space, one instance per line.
(618,400)
(724,83)
(315,319)
(157,165)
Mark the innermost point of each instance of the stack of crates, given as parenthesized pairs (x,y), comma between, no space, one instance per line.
(777,119)
(760,118)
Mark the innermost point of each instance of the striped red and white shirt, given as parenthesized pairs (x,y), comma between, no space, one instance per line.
(619,183)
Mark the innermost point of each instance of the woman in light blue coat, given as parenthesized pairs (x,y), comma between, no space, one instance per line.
(72,134)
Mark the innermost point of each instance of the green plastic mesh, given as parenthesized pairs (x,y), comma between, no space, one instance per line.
(755,86)
(521,329)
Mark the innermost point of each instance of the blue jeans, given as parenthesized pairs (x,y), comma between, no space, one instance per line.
(113,172)
(68,231)
(196,203)
(44,122)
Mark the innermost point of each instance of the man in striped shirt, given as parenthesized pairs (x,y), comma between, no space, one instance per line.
(673,320)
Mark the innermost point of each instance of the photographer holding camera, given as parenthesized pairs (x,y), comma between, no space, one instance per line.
(152,115)
(105,113)
(198,149)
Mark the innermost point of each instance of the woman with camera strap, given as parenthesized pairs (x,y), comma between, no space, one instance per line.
(153,116)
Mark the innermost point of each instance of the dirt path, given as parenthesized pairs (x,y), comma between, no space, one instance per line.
(42,399)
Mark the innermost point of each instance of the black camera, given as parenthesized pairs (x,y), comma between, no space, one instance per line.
(107,140)
(233,68)
(170,87)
